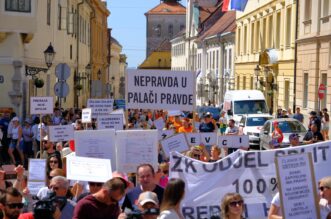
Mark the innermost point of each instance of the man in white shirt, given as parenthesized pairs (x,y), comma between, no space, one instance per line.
(232,129)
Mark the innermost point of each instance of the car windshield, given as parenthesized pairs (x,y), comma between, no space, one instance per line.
(250,107)
(291,127)
(256,121)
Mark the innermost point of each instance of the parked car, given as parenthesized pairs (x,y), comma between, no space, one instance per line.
(215,111)
(251,125)
(287,125)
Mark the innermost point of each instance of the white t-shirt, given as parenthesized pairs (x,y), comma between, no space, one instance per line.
(168,214)
(276,202)
(325,208)
(230,130)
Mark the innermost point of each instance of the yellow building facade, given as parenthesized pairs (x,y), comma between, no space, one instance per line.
(100,54)
(265,39)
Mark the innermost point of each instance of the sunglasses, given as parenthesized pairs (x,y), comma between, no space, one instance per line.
(322,188)
(236,203)
(53,161)
(15,205)
(95,184)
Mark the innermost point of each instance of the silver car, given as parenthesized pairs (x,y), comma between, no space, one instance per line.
(287,125)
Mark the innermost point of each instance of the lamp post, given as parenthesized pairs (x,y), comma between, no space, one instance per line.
(257,71)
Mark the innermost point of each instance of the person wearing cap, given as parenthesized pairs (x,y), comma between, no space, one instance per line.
(313,119)
(102,204)
(313,135)
(16,141)
(27,140)
(294,139)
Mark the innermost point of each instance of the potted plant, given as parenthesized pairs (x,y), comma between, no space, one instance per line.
(39,83)
(79,86)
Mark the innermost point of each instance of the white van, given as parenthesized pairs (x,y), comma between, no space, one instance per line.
(242,102)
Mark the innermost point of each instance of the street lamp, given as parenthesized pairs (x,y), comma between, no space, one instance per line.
(49,55)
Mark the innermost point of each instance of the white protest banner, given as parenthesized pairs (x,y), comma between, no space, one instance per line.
(193,138)
(298,194)
(88,169)
(61,133)
(37,175)
(41,105)
(233,141)
(159,123)
(160,89)
(100,106)
(121,112)
(111,121)
(87,115)
(174,113)
(96,144)
(135,147)
(175,143)
(250,173)
(208,138)
(165,133)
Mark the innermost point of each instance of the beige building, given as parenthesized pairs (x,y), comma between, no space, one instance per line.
(314,54)
(26,33)
(265,50)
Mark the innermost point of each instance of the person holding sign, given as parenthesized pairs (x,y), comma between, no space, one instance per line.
(324,186)
(232,206)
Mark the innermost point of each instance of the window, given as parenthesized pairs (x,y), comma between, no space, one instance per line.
(252,82)
(239,41)
(288,27)
(62,23)
(264,32)
(330,53)
(277,40)
(213,59)
(305,90)
(59,16)
(18,5)
(244,83)
(307,10)
(325,8)
(257,37)
(245,40)
(252,37)
(171,30)
(226,59)
(157,30)
(230,58)
(325,82)
(238,82)
(49,12)
(270,32)
(70,52)
(217,59)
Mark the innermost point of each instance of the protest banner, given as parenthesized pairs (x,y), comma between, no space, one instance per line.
(96,144)
(41,105)
(233,141)
(160,89)
(135,147)
(87,115)
(205,138)
(297,188)
(37,175)
(111,121)
(88,169)
(249,173)
(61,133)
(165,133)
(193,138)
(175,143)
(100,106)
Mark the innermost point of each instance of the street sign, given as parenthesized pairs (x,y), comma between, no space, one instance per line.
(61,89)
(62,71)
(321,91)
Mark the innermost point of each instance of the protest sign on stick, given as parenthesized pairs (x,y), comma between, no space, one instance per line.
(100,106)
(297,186)
(87,115)
(61,133)
(175,143)
(111,121)
(37,175)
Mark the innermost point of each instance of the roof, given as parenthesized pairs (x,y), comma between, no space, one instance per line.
(226,23)
(168,8)
(157,60)
(205,13)
(113,40)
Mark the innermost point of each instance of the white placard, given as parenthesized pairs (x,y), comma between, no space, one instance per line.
(88,169)
(96,144)
(208,138)
(250,173)
(233,141)
(37,175)
(120,111)
(87,115)
(41,105)
(160,89)
(111,121)
(174,113)
(165,133)
(193,138)
(175,143)
(159,123)
(135,147)
(61,133)
(297,187)
(100,106)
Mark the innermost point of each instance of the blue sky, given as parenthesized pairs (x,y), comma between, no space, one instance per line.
(128,24)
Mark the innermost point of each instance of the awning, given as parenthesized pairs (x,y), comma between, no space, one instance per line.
(268,57)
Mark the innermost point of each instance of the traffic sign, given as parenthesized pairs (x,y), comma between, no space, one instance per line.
(61,89)
(321,91)
(62,71)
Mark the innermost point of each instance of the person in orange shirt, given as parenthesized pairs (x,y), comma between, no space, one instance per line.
(187,126)
(177,123)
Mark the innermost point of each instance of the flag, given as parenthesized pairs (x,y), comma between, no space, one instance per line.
(236,5)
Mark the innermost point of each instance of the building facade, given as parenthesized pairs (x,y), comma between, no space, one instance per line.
(265,40)
(314,54)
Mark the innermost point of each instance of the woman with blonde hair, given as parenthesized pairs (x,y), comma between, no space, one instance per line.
(172,196)
(232,206)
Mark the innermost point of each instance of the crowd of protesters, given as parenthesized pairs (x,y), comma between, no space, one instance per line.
(156,195)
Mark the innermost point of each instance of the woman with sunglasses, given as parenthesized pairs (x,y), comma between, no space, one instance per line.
(53,162)
(173,195)
(232,206)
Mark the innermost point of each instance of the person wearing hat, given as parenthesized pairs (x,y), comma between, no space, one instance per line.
(294,139)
